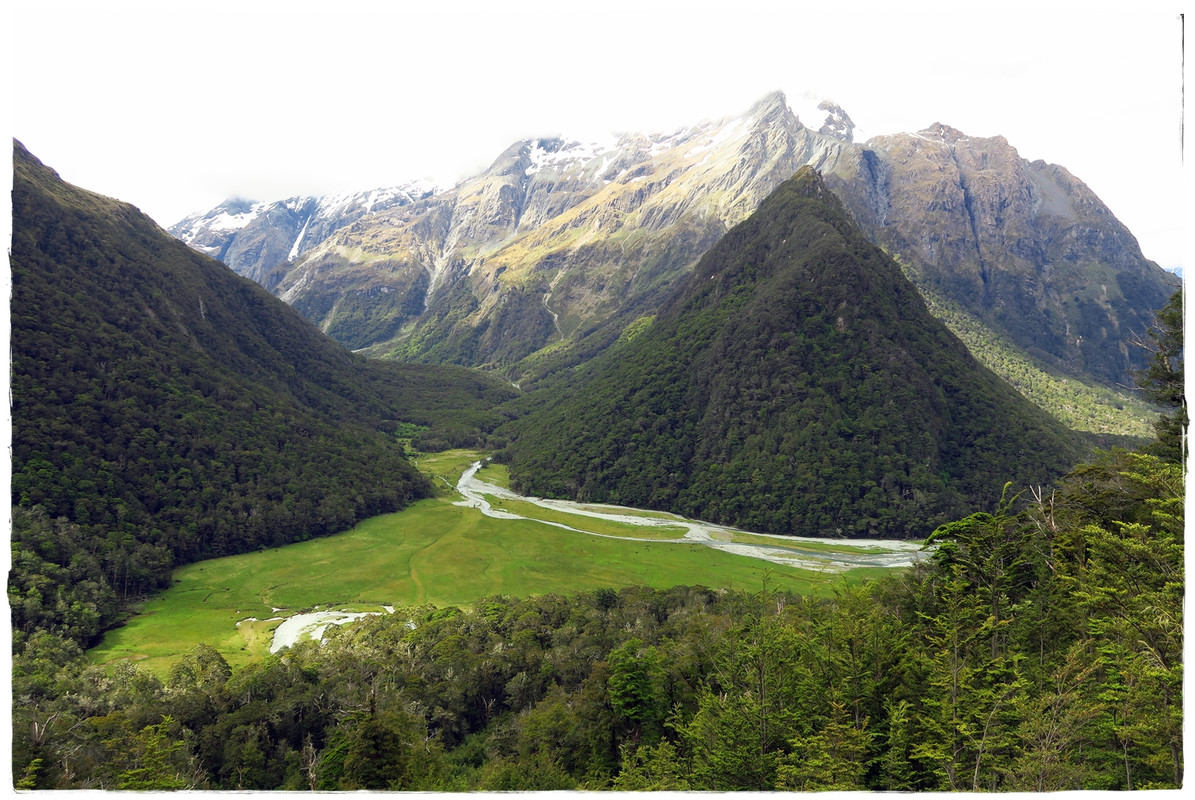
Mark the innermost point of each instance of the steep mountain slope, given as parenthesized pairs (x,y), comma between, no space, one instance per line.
(1024,246)
(554,237)
(794,383)
(165,409)
(254,238)
(560,240)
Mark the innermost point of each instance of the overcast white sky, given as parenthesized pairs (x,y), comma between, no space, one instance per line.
(174,105)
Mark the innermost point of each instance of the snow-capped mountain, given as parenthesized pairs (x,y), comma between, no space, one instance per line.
(254,237)
(555,236)
(560,241)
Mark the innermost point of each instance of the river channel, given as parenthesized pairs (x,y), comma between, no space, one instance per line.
(794,551)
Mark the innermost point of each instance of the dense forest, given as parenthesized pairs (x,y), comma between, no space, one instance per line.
(794,383)
(1038,649)
(166,410)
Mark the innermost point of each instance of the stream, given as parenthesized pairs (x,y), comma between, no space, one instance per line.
(793,551)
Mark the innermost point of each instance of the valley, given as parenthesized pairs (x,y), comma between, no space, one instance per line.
(982,598)
(460,547)
(797,551)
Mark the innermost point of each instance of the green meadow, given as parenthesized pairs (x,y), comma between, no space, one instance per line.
(800,546)
(431,553)
(581,522)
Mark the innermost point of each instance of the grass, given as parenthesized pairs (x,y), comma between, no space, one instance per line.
(632,512)
(802,545)
(445,468)
(580,522)
(497,474)
(434,552)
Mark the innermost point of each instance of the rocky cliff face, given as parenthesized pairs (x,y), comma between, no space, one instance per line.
(254,238)
(553,239)
(1024,246)
(559,239)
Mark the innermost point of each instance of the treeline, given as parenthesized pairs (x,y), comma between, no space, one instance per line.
(1036,650)
(166,410)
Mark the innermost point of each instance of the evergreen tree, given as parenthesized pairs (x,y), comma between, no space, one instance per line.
(1162,381)
(832,759)
(374,758)
(635,691)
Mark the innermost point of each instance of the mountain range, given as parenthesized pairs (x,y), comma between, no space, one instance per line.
(253,238)
(782,373)
(546,256)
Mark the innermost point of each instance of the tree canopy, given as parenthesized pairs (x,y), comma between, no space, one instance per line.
(1163,381)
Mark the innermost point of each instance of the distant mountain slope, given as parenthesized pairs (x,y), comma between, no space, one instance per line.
(165,409)
(254,238)
(559,240)
(554,237)
(794,383)
(1024,246)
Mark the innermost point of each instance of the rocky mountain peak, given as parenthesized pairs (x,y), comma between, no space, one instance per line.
(823,116)
(939,132)
(838,124)
(769,103)
(772,109)
(254,237)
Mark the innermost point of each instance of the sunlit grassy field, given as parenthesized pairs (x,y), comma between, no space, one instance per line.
(433,552)
(591,524)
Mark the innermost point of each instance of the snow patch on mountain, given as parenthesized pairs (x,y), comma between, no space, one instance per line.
(231,222)
(822,115)
(722,134)
(294,249)
(555,154)
(228,217)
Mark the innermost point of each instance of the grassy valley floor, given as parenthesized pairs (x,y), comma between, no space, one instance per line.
(435,552)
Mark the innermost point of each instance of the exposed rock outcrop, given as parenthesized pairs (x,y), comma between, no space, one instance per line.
(558,239)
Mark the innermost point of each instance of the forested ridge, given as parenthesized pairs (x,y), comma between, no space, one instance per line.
(1079,404)
(795,383)
(166,410)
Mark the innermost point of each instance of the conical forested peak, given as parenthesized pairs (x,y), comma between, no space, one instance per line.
(806,184)
(801,226)
(808,181)
(795,383)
